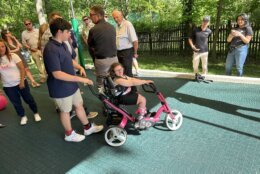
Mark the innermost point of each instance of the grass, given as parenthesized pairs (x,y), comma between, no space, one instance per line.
(177,63)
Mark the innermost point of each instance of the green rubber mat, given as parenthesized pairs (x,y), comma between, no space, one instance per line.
(220,134)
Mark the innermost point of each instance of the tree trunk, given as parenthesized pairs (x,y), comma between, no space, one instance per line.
(40,12)
(187,12)
(216,33)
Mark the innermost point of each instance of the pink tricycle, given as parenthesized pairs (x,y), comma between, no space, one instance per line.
(116,135)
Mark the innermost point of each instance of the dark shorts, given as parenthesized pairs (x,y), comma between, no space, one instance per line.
(129,99)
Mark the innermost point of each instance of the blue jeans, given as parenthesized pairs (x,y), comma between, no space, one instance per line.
(14,94)
(238,57)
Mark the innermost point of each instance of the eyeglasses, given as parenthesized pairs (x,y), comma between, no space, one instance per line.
(85,19)
(27,24)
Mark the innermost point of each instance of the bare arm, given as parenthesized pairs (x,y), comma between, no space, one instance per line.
(245,39)
(135,44)
(15,50)
(22,73)
(230,37)
(192,45)
(70,78)
(80,68)
(17,41)
(132,82)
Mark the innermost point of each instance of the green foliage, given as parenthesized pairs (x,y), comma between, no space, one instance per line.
(146,15)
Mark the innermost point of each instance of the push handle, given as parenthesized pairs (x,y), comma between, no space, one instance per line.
(149,88)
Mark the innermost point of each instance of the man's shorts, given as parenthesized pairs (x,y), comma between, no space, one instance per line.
(65,104)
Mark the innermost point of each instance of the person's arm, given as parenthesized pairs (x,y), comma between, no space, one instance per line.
(193,46)
(135,44)
(230,37)
(71,78)
(18,43)
(80,68)
(245,39)
(131,82)
(132,37)
(20,66)
(53,65)
(14,50)
(91,45)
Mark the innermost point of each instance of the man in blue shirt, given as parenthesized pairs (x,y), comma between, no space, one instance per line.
(62,81)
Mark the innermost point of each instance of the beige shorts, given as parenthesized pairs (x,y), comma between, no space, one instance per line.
(65,104)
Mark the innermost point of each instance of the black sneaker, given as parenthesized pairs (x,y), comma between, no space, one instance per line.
(2,125)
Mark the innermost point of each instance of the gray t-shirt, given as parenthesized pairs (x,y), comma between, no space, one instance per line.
(200,39)
(237,41)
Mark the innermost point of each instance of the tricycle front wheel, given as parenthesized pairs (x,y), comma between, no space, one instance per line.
(174,124)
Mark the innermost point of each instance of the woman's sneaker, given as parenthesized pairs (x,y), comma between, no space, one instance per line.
(37,117)
(24,120)
(74,137)
(93,129)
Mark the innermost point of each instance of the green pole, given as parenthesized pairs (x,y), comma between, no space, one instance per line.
(76,30)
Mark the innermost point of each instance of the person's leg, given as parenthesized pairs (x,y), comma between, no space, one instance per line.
(81,114)
(141,101)
(125,57)
(195,62)
(65,106)
(204,61)
(28,98)
(65,121)
(14,96)
(77,101)
(240,56)
(230,62)
(37,59)
(102,68)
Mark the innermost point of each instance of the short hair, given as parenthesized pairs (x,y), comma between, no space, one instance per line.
(98,10)
(59,24)
(29,20)
(83,17)
(52,14)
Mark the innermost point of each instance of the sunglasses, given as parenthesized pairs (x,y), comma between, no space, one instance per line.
(27,24)
(85,19)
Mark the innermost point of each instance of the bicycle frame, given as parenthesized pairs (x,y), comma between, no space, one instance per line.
(164,108)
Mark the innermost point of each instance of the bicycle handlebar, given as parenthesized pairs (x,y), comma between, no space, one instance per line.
(152,87)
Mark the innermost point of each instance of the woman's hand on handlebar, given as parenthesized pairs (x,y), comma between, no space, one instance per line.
(148,82)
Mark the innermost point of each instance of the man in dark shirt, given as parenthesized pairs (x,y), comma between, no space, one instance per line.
(199,44)
(102,44)
(62,81)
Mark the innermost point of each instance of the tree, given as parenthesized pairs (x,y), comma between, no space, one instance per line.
(40,12)
(219,12)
